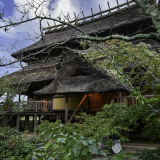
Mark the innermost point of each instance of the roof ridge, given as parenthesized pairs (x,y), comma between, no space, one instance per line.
(85,19)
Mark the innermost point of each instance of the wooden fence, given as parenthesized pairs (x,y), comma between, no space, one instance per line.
(83,19)
(131,100)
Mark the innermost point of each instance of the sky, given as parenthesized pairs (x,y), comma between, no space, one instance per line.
(21,36)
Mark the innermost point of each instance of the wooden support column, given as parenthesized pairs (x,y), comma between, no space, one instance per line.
(106,98)
(17,122)
(19,98)
(26,127)
(39,120)
(5,121)
(66,110)
(35,123)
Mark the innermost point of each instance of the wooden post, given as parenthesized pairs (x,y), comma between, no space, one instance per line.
(76,22)
(26,127)
(117,4)
(17,122)
(66,110)
(19,98)
(100,10)
(83,16)
(35,123)
(55,24)
(127,3)
(109,7)
(106,98)
(5,121)
(39,120)
(92,13)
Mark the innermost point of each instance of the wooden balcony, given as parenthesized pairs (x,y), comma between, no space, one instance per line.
(30,106)
(131,100)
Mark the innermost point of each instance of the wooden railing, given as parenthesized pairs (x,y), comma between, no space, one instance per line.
(29,106)
(131,100)
(92,16)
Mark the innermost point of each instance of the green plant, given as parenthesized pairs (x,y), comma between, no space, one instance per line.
(149,154)
(71,145)
(123,156)
(13,146)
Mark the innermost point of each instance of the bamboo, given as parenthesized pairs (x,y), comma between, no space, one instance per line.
(71,118)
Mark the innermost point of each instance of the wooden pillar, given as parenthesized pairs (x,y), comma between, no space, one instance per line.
(35,123)
(26,127)
(17,122)
(66,110)
(106,98)
(19,98)
(39,120)
(5,121)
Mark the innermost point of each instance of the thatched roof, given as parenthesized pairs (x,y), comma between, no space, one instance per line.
(78,76)
(34,73)
(118,21)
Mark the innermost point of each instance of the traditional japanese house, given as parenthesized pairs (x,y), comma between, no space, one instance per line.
(61,82)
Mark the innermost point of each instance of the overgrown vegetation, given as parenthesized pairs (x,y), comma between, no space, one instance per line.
(13,146)
(83,140)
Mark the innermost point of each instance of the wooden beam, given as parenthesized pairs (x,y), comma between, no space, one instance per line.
(5,121)
(35,123)
(71,118)
(26,127)
(66,110)
(17,122)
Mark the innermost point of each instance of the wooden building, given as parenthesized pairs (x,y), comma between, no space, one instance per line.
(66,83)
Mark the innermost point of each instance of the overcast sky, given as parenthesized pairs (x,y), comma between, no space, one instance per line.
(18,37)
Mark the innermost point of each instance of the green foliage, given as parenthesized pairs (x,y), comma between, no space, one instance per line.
(7,93)
(13,146)
(140,63)
(149,154)
(123,156)
(66,142)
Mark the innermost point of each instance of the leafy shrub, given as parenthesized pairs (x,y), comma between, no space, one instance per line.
(12,145)
(71,145)
(149,154)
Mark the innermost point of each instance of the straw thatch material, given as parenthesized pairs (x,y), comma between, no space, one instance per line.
(117,22)
(78,76)
(34,73)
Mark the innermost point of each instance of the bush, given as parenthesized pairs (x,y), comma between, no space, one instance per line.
(149,154)
(66,144)
(12,145)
